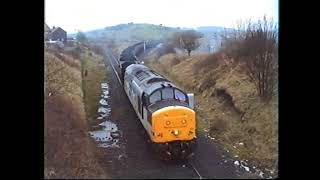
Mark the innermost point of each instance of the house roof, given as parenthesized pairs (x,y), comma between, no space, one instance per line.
(54,30)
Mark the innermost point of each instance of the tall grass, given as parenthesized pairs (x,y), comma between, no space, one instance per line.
(68,151)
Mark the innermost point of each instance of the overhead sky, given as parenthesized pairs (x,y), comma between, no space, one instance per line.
(84,15)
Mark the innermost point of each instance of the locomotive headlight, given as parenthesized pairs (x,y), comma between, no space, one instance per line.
(176,132)
(167,122)
(183,121)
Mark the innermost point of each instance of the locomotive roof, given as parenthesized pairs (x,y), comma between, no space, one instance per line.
(147,79)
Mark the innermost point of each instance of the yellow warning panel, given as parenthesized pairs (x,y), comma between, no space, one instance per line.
(173,123)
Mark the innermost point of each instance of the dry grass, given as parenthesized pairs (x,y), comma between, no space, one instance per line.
(67,57)
(227,105)
(68,151)
(61,78)
(92,83)
(211,62)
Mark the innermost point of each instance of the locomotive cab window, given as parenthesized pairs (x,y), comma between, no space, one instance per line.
(156,96)
(179,95)
(167,93)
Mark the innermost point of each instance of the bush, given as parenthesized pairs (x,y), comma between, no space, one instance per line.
(255,46)
(211,62)
(188,40)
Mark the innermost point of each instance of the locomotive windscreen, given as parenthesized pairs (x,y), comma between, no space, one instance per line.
(167,93)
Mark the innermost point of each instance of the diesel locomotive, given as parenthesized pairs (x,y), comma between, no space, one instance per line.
(165,111)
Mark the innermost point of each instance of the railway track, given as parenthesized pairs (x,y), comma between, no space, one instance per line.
(192,166)
(113,60)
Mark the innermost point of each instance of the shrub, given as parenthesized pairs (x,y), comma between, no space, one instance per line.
(255,46)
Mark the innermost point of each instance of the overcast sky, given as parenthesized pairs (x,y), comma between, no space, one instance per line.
(84,15)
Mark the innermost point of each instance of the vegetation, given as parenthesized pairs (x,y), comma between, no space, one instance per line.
(187,40)
(93,73)
(255,45)
(68,151)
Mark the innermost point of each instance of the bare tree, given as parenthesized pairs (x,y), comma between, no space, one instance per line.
(255,46)
(261,56)
(187,40)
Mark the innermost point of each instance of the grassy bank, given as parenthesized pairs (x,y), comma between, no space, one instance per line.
(227,105)
(68,151)
(94,73)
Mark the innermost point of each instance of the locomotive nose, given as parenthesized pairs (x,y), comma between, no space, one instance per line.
(173,123)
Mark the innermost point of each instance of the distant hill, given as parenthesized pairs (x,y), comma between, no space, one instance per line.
(132,32)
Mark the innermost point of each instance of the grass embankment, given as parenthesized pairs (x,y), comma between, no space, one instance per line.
(94,73)
(227,105)
(68,151)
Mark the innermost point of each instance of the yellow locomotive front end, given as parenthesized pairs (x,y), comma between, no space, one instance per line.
(174,131)
(173,123)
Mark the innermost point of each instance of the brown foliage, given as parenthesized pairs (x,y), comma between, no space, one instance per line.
(255,46)
(209,63)
(67,148)
(187,40)
(68,151)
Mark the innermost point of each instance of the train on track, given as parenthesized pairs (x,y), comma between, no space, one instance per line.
(165,111)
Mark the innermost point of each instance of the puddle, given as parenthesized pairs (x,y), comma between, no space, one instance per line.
(105,96)
(244,165)
(105,92)
(104,85)
(108,134)
(104,110)
(103,102)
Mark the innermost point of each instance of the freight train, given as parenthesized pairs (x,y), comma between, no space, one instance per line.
(165,111)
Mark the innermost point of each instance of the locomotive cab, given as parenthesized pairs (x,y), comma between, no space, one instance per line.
(171,117)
